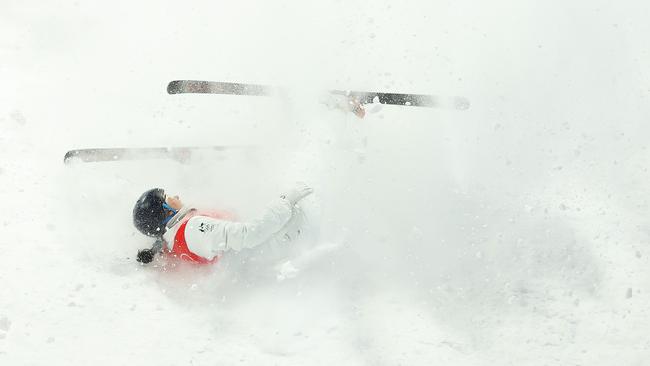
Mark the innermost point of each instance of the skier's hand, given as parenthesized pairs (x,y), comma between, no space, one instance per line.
(300,191)
(345,103)
(145,256)
(356,107)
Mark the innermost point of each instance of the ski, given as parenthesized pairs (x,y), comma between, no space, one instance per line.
(214,87)
(180,154)
(364,97)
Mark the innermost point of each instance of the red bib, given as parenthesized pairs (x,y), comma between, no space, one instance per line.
(180,249)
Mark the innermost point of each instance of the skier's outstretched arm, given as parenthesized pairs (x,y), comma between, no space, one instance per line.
(240,235)
(222,235)
(251,234)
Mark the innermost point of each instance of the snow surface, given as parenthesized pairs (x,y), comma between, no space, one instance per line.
(513,233)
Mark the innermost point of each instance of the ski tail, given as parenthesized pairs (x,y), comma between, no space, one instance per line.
(415,100)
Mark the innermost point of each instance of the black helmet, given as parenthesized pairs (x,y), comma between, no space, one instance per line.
(149,215)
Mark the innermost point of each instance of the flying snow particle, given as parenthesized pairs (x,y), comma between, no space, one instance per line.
(5,324)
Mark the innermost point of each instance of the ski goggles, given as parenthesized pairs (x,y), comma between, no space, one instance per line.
(168,209)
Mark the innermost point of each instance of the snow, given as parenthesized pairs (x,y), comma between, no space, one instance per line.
(514,232)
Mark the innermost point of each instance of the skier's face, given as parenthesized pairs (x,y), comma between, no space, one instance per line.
(174,202)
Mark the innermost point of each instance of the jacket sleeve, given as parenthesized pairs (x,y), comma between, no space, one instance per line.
(214,235)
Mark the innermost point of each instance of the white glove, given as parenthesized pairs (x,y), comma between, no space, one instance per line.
(297,193)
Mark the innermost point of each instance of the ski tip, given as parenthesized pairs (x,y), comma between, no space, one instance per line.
(174,87)
(69,157)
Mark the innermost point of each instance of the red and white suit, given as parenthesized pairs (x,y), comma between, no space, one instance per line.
(202,236)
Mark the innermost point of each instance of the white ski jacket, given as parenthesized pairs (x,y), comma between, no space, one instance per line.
(209,237)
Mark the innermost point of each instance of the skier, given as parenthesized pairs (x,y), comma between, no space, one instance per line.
(202,236)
